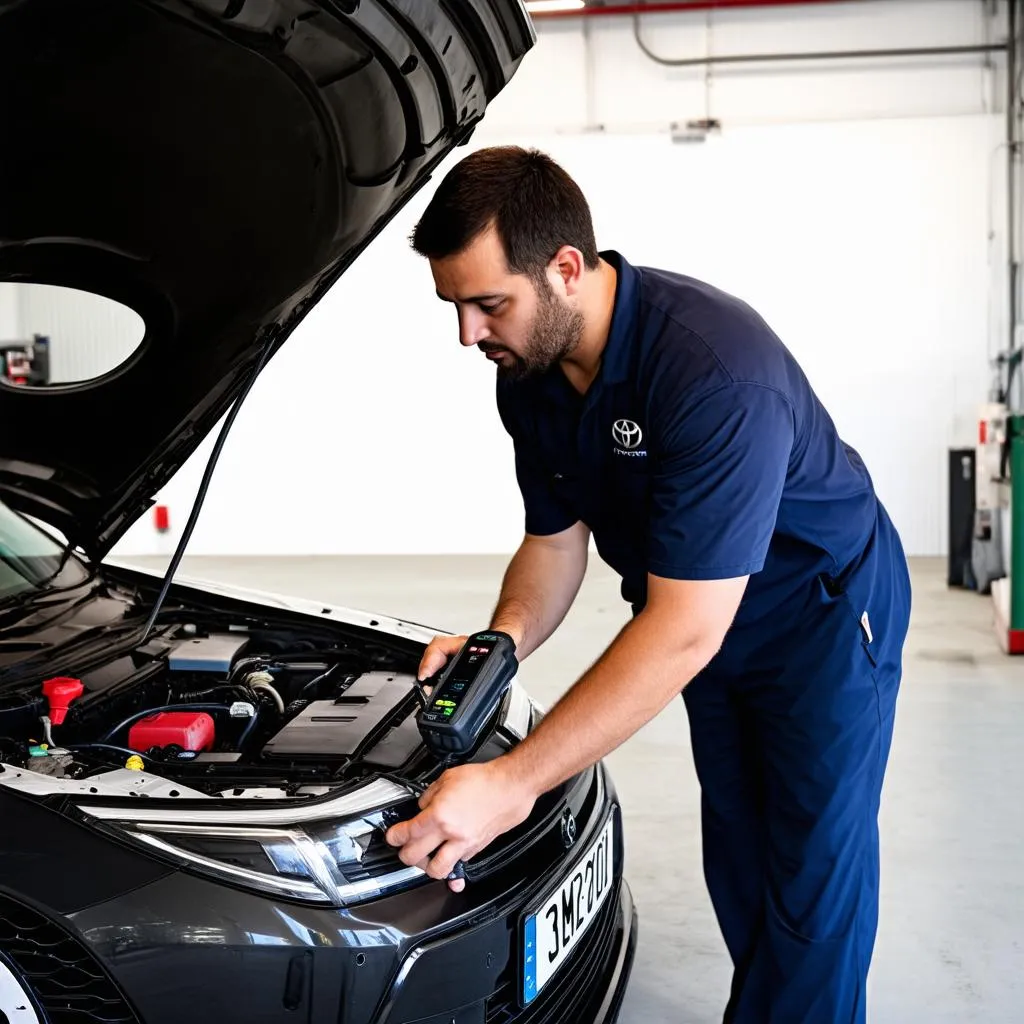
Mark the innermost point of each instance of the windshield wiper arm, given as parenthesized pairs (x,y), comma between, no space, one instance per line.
(41,593)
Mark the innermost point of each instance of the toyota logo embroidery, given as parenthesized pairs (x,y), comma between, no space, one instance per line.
(627,434)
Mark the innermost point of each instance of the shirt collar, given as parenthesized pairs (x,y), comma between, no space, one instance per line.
(616,359)
(617,356)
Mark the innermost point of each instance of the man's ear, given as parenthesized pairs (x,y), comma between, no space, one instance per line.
(566,270)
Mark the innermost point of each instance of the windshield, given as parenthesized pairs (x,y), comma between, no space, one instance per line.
(30,558)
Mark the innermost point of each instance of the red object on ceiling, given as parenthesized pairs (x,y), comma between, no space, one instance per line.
(658,7)
(162,518)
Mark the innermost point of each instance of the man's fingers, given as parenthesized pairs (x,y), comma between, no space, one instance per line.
(417,837)
(458,816)
(397,835)
(436,656)
(424,845)
(442,864)
(417,852)
(432,663)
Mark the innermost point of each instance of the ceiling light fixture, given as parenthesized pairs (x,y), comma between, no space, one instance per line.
(554,6)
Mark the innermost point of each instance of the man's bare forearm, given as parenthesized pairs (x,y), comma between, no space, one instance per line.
(635,679)
(539,587)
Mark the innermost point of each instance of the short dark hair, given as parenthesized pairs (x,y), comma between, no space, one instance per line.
(534,204)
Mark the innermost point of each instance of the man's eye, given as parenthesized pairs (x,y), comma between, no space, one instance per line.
(490,310)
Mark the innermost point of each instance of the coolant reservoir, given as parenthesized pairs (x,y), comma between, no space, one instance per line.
(190,730)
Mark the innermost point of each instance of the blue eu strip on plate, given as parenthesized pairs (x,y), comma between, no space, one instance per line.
(530,962)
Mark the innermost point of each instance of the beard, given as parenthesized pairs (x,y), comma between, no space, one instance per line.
(555,332)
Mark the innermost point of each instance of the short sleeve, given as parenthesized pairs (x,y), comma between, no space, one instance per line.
(545,512)
(721,469)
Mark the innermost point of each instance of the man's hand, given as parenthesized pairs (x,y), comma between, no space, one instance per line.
(460,815)
(436,656)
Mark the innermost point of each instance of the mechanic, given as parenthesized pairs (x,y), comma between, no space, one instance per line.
(664,418)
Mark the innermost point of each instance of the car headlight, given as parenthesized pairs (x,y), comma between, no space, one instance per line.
(521,714)
(332,851)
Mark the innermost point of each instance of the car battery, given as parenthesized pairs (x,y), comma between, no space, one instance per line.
(190,730)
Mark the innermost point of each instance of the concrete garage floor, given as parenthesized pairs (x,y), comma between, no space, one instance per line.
(951,940)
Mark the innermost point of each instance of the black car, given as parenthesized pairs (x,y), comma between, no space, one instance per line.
(195,783)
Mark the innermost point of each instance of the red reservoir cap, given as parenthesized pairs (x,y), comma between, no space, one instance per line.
(60,692)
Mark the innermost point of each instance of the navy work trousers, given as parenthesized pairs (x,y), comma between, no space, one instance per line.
(790,761)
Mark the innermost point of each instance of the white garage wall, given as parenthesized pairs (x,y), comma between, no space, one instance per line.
(93,334)
(851,204)
(9,327)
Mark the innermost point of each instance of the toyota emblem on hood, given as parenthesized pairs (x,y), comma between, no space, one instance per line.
(568,830)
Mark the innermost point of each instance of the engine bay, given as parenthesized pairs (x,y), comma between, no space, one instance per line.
(222,710)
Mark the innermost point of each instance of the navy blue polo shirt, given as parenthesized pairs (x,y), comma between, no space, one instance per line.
(699,452)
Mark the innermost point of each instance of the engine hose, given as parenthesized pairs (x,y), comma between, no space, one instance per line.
(240,691)
(262,687)
(248,665)
(248,729)
(108,746)
(132,719)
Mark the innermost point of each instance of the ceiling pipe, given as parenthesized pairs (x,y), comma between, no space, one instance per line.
(823,55)
(685,6)
(678,6)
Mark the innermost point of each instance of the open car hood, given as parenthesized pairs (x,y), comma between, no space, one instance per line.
(215,165)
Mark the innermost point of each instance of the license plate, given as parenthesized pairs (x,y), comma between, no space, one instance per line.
(552,932)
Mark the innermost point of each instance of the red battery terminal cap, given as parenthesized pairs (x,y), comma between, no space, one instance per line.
(60,692)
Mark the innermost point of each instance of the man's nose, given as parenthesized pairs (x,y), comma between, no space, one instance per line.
(472,328)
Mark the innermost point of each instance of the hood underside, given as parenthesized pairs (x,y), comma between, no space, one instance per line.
(214,165)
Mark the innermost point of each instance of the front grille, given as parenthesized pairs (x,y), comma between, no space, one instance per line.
(540,835)
(567,995)
(68,982)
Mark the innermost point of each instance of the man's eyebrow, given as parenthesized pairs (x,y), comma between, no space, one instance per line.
(489,297)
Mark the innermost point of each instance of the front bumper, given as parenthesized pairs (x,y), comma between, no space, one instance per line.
(64,982)
(588,989)
(176,947)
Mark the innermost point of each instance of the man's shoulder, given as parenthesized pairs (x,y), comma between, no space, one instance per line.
(703,336)
(684,294)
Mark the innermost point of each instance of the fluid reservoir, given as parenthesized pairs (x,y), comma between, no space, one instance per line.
(190,730)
